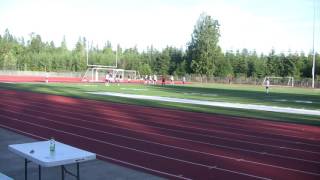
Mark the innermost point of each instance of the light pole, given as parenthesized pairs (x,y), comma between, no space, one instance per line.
(117,57)
(314,53)
(313,42)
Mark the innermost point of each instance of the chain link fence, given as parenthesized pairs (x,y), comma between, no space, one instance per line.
(302,82)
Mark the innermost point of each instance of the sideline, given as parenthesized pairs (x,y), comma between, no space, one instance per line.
(217,104)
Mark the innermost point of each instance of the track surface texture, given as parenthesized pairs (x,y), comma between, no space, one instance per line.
(4,78)
(169,143)
(23,79)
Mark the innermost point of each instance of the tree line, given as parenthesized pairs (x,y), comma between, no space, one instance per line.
(203,56)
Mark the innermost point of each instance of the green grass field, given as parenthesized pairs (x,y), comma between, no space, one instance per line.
(279,96)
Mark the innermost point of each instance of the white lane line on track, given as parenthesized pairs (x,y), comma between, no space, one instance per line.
(106,157)
(135,165)
(215,123)
(228,132)
(218,124)
(210,144)
(127,163)
(203,165)
(23,132)
(144,152)
(230,139)
(213,103)
(176,147)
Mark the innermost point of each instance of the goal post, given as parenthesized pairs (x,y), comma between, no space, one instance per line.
(279,81)
(95,74)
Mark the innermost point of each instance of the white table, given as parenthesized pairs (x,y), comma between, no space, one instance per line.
(4,177)
(39,153)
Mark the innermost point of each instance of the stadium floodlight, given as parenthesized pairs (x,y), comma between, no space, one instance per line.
(117,57)
(87,53)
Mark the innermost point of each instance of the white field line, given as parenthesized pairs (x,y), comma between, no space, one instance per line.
(178,147)
(297,101)
(134,89)
(301,101)
(217,104)
(198,134)
(152,154)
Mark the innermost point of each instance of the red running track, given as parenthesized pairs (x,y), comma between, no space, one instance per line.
(169,143)
(7,78)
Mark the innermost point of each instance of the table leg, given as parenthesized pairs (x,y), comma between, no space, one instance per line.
(39,172)
(78,173)
(25,169)
(62,172)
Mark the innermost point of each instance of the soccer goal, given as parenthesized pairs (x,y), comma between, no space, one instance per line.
(279,81)
(95,74)
(99,66)
(99,74)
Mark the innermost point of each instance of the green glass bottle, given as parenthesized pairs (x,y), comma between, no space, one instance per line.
(52,145)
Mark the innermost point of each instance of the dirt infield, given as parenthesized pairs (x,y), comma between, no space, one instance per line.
(169,143)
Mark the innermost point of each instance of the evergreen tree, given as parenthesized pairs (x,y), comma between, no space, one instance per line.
(203,49)
(162,63)
(203,56)
(144,69)
(289,67)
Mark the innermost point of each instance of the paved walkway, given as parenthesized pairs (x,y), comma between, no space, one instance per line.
(13,165)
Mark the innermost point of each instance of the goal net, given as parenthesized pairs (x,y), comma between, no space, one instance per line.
(279,81)
(99,74)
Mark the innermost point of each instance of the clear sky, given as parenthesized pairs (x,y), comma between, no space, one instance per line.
(253,24)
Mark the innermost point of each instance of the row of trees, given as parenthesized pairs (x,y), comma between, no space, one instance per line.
(203,56)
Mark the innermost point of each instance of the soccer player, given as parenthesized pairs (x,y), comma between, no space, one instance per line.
(183,80)
(145,79)
(172,80)
(129,79)
(267,85)
(47,77)
(163,80)
(107,79)
(155,79)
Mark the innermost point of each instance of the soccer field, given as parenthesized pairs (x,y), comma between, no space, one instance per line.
(279,96)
